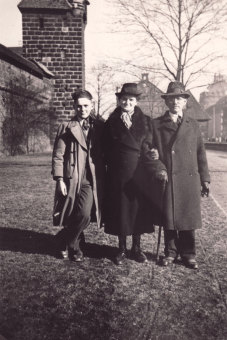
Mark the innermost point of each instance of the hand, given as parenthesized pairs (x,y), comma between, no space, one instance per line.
(162,176)
(205,189)
(154,154)
(61,187)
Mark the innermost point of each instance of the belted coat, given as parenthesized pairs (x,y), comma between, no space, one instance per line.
(126,212)
(182,154)
(70,153)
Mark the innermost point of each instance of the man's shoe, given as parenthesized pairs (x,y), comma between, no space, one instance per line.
(63,254)
(120,258)
(167,261)
(79,257)
(191,263)
(138,255)
(75,256)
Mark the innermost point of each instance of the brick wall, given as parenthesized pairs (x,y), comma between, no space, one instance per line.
(57,40)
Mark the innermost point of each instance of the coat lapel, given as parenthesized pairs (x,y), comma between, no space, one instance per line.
(167,123)
(130,137)
(185,124)
(77,133)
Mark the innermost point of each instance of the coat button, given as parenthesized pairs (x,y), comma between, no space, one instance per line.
(173,152)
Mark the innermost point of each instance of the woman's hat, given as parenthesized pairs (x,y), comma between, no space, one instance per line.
(176,88)
(129,89)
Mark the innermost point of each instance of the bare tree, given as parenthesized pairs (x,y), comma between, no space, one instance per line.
(102,85)
(174,33)
(23,114)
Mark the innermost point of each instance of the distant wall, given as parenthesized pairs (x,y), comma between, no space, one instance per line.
(9,72)
(216,146)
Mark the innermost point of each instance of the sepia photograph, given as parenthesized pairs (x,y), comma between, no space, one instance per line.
(113,170)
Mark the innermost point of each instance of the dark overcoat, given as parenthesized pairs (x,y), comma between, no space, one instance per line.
(126,212)
(70,154)
(182,154)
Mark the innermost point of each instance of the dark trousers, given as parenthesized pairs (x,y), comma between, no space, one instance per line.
(72,234)
(180,242)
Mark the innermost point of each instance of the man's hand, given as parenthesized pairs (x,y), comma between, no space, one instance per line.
(61,187)
(154,154)
(162,175)
(205,189)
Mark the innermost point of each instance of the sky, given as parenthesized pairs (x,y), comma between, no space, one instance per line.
(99,44)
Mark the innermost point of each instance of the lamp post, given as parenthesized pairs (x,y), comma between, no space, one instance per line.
(214,124)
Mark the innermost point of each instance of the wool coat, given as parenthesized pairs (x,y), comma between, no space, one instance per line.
(182,154)
(71,154)
(126,211)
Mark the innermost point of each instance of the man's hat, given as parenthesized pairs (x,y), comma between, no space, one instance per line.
(81,94)
(129,89)
(176,88)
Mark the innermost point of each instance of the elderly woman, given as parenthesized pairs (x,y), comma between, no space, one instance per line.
(126,210)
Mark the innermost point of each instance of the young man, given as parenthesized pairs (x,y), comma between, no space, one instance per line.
(124,133)
(78,168)
(183,164)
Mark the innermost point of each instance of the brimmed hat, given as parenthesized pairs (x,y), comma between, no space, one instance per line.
(130,89)
(81,94)
(175,88)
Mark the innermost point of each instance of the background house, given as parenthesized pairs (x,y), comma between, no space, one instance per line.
(214,102)
(153,105)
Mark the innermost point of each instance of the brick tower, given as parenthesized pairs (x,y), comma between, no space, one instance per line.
(53,33)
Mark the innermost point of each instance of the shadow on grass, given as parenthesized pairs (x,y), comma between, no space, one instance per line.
(98,251)
(26,241)
(30,242)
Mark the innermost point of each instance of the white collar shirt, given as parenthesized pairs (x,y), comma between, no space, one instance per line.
(175,116)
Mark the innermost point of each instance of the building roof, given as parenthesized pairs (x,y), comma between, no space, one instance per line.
(195,110)
(17,49)
(47,4)
(17,60)
(44,4)
(44,69)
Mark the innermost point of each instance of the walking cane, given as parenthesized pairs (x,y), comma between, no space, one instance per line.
(159,241)
(163,187)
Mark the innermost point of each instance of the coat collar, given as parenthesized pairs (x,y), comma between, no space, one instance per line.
(130,137)
(167,123)
(76,130)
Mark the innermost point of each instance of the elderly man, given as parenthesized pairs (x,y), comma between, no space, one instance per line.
(183,165)
(78,170)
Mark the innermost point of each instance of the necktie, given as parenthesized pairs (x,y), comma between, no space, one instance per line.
(86,125)
(179,119)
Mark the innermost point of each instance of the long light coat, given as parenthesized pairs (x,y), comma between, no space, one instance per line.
(70,155)
(182,154)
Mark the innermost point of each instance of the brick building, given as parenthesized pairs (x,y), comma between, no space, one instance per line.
(53,33)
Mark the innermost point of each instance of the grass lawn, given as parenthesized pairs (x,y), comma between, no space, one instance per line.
(45,298)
